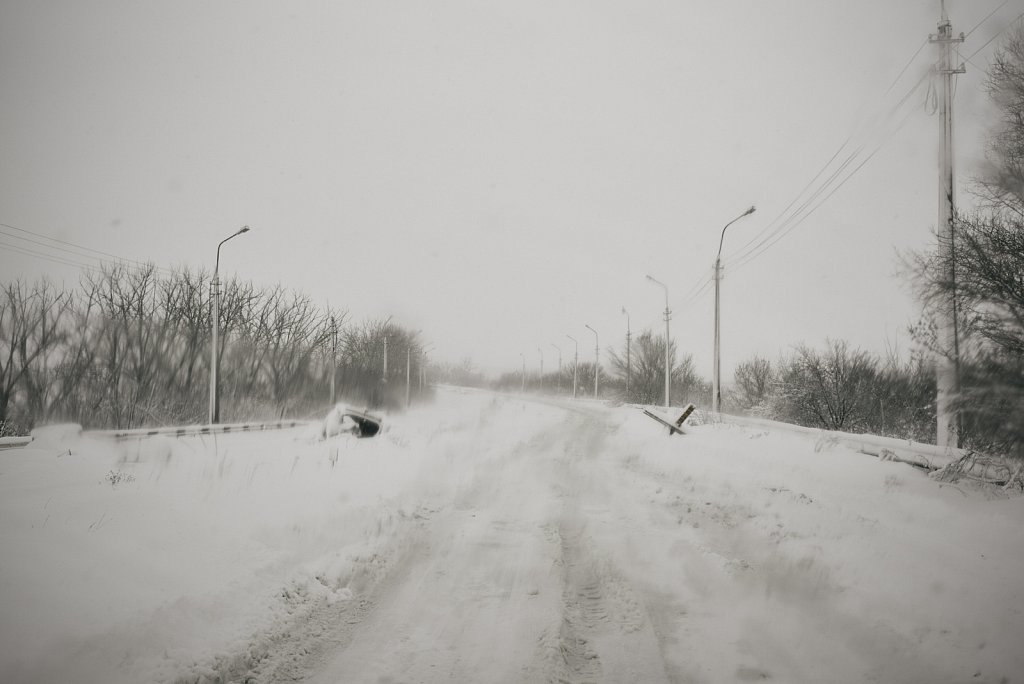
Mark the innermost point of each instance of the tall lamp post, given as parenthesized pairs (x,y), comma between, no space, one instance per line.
(541,352)
(334,355)
(668,363)
(628,336)
(215,319)
(523,357)
(575,364)
(597,357)
(716,389)
(559,350)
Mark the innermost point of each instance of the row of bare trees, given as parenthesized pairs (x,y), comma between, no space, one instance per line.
(129,347)
(839,388)
(644,366)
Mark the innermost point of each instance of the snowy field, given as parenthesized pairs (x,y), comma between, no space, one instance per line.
(490,539)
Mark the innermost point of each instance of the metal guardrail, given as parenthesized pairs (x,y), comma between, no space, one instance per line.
(926,456)
(199,430)
(14,442)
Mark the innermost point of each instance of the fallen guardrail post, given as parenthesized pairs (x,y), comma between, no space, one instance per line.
(673,428)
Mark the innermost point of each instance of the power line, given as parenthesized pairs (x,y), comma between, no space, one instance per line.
(797,222)
(907,66)
(783,223)
(1001,32)
(117,260)
(987,17)
(47,257)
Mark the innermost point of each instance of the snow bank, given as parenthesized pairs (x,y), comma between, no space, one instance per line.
(741,554)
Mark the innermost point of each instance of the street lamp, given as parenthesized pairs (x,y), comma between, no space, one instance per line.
(597,357)
(628,336)
(559,350)
(523,357)
(541,352)
(215,320)
(668,364)
(575,364)
(716,389)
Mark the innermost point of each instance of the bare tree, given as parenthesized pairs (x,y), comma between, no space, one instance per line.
(30,331)
(830,389)
(647,382)
(753,379)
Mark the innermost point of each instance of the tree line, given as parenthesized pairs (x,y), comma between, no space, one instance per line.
(128,347)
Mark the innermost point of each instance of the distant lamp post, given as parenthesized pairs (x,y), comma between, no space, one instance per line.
(559,380)
(215,321)
(334,355)
(668,363)
(541,352)
(523,387)
(716,390)
(597,357)
(628,364)
(575,364)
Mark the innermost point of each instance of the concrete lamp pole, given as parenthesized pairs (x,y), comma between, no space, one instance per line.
(597,357)
(334,355)
(628,336)
(541,352)
(575,364)
(215,323)
(668,344)
(559,380)
(716,389)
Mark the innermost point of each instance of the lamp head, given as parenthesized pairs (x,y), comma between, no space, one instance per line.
(751,210)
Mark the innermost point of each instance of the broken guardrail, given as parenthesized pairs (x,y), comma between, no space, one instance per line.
(199,430)
(14,442)
(925,456)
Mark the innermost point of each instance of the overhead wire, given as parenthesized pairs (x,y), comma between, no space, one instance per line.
(999,33)
(47,257)
(785,221)
(75,250)
(801,219)
(987,17)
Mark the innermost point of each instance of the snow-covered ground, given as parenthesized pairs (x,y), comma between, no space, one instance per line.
(491,539)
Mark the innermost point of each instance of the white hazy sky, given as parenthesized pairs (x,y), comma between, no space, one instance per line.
(497,173)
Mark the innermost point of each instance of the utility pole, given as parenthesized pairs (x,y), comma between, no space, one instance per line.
(385,376)
(716,376)
(541,352)
(597,357)
(334,355)
(575,364)
(668,345)
(947,368)
(215,321)
(523,388)
(628,336)
(559,380)
(408,377)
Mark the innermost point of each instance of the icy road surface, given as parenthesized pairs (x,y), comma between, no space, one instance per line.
(490,539)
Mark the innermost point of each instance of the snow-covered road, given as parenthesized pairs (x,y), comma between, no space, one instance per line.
(492,539)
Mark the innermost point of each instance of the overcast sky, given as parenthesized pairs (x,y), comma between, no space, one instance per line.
(499,173)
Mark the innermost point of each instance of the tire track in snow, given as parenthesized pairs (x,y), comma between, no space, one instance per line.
(327,625)
(603,632)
